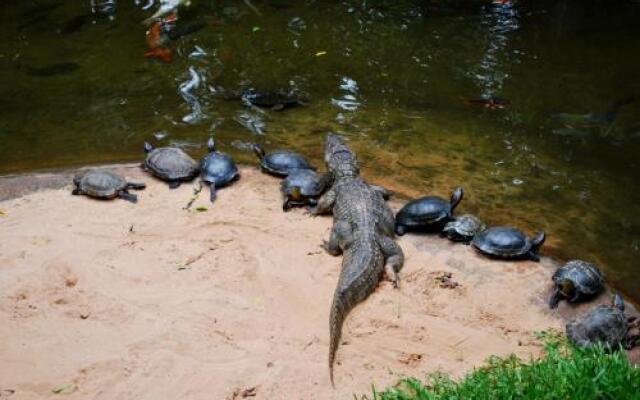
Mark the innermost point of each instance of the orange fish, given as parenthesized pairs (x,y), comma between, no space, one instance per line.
(162,53)
(154,36)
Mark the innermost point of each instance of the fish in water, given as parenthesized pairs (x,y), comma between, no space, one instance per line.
(154,36)
(74,24)
(163,53)
(53,69)
(593,119)
(491,102)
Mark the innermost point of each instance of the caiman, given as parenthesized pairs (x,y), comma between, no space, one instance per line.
(363,231)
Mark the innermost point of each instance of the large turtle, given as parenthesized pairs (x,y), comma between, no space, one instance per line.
(428,213)
(576,280)
(170,164)
(508,242)
(303,187)
(604,324)
(280,162)
(217,169)
(463,228)
(104,184)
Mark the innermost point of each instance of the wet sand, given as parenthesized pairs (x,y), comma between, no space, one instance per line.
(113,300)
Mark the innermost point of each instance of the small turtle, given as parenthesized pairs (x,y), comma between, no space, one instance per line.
(280,162)
(604,324)
(303,187)
(576,280)
(508,242)
(217,169)
(428,213)
(170,164)
(276,100)
(103,184)
(463,228)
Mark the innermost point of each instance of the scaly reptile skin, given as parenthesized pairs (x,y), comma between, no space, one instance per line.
(362,231)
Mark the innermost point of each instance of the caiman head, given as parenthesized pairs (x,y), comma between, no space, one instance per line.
(340,160)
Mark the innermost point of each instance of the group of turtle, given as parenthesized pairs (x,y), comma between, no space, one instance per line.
(575,281)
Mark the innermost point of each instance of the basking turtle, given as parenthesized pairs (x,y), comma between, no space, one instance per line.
(576,280)
(303,187)
(428,213)
(217,169)
(604,324)
(280,162)
(103,184)
(170,164)
(508,242)
(463,228)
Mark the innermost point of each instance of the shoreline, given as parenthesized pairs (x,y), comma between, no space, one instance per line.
(147,299)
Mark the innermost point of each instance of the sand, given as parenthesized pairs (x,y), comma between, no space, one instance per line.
(113,300)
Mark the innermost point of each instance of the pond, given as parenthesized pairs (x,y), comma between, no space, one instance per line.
(527,105)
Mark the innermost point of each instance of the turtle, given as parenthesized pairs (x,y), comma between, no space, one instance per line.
(217,169)
(428,213)
(276,100)
(509,243)
(105,184)
(280,162)
(303,187)
(576,280)
(463,228)
(170,164)
(604,324)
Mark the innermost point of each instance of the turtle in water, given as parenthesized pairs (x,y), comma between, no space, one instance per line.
(303,187)
(280,162)
(276,100)
(576,280)
(604,324)
(428,213)
(170,164)
(508,242)
(463,228)
(217,169)
(103,184)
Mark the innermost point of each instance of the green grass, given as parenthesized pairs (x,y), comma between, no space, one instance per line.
(564,372)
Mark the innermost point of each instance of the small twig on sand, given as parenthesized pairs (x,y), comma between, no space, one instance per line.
(196,192)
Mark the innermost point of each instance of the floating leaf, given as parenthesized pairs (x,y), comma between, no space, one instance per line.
(321,53)
(201,209)
(255,29)
(65,389)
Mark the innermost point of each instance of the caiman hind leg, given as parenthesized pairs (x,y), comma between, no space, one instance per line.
(325,204)
(394,258)
(341,238)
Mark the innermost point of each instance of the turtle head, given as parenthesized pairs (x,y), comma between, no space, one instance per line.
(76,180)
(211,144)
(618,301)
(456,197)
(566,288)
(147,147)
(295,193)
(258,150)
(538,240)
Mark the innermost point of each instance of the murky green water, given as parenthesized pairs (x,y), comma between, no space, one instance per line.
(392,76)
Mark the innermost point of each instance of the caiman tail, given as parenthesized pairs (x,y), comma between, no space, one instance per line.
(362,269)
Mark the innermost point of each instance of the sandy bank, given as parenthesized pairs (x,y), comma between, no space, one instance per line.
(149,301)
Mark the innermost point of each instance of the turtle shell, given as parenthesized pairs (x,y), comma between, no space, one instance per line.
(424,212)
(603,324)
(281,162)
(585,277)
(100,183)
(502,241)
(463,228)
(171,164)
(219,168)
(311,183)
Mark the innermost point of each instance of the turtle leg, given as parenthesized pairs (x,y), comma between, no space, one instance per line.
(123,194)
(286,206)
(76,192)
(394,258)
(174,184)
(136,185)
(533,255)
(212,192)
(400,229)
(555,299)
(340,238)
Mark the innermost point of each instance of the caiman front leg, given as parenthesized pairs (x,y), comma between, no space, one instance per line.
(394,258)
(325,204)
(340,238)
